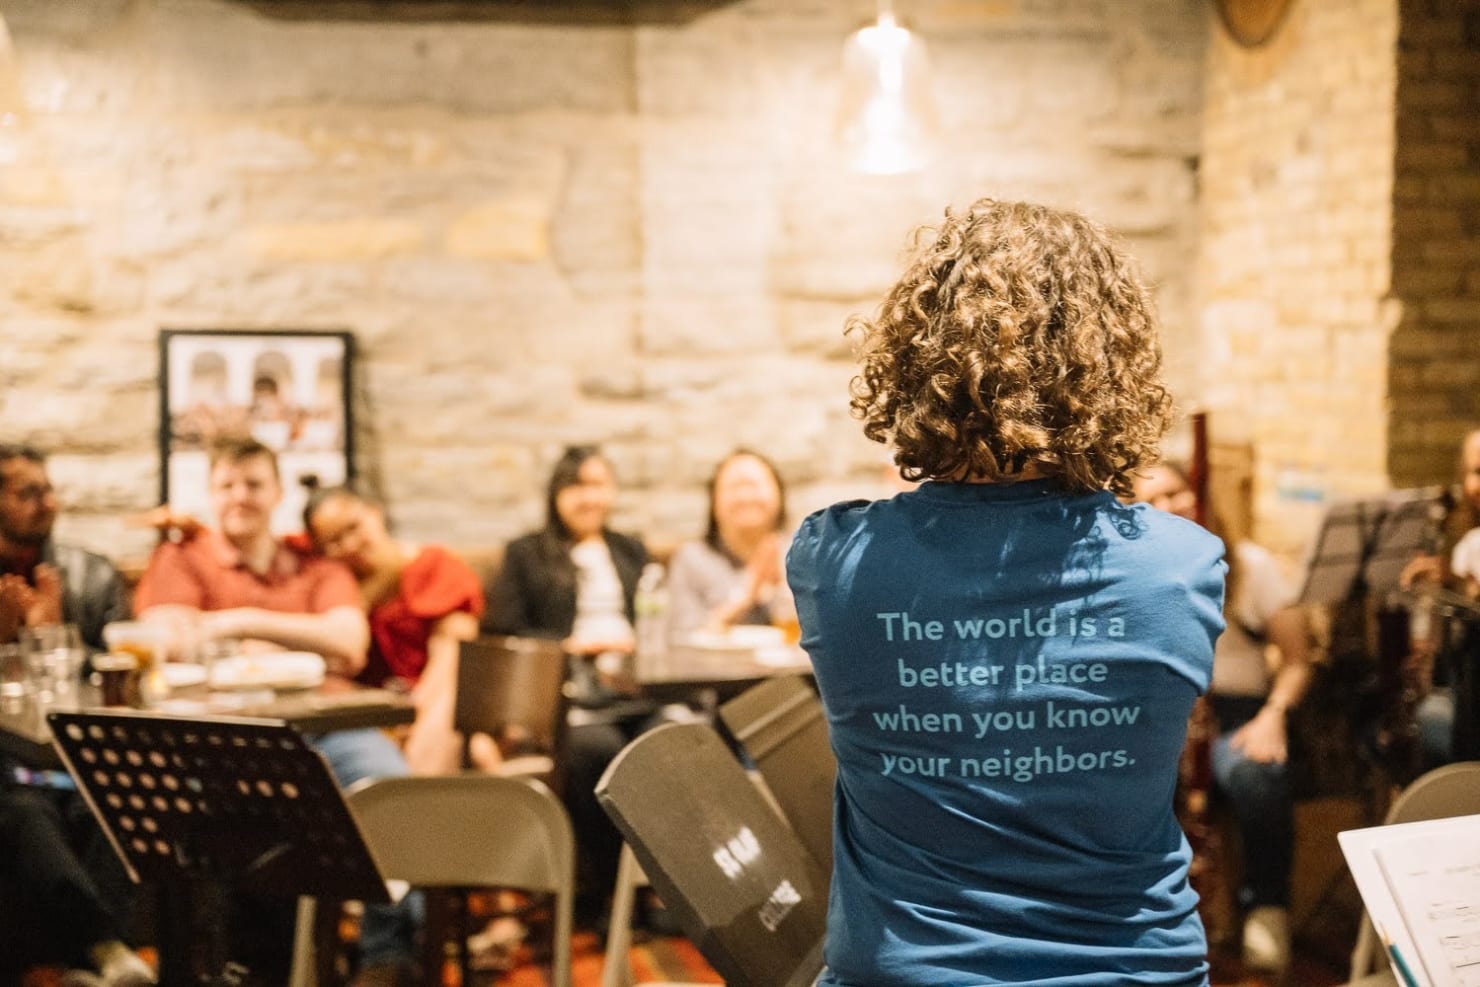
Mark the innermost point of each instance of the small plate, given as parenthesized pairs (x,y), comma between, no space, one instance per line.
(181,675)
(741,637)
(269,670)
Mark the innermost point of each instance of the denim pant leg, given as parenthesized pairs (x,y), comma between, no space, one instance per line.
(1260,795)
(387,932)
(1435,717)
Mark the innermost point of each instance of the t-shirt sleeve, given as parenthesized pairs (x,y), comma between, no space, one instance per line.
(438,583)
(333,586)
(1263,589)
(1466,558)
(169,580)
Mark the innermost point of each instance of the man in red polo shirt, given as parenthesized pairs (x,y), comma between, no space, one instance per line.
(241,581)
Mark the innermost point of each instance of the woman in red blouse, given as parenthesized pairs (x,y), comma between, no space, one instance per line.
(422,601)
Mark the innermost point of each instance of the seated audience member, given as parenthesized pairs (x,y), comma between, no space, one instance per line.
(422,601)
(61,907)
(574,580)
(1007,656)
(1251,705)
(241,581)
(733,576)
(43,581)
(64,895)
(1456,567)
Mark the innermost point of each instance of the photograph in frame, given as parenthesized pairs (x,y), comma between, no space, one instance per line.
(289,390)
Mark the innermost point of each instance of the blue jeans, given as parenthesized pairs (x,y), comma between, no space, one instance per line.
(387,932)
(1435,716)
(1260,795)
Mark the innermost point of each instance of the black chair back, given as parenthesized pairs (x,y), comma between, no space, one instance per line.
(734,875)
(780,724)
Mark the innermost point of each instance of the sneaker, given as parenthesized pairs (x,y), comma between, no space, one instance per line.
(1267,939)
(81,978)
(119,966)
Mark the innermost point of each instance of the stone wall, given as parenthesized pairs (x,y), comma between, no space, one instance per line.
(1434,372)
(1295,248)
(560,222)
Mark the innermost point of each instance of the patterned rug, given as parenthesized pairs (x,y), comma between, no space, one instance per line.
(658,960)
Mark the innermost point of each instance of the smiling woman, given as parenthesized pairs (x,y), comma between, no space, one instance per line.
(733,575)
(422,601)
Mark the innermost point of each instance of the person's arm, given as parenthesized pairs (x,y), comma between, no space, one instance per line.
(762,581)
(432,747)
(691,596)
(1264,738)
(341,634)
(14,599)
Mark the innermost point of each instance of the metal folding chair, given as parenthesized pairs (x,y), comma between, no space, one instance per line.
(781,726)
(729,869)
(465,831)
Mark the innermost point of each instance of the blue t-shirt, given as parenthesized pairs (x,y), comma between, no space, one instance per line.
(1007,672)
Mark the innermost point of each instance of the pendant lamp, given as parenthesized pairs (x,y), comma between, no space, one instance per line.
(886,113)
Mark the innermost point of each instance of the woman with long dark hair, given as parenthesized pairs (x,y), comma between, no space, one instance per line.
(574,580)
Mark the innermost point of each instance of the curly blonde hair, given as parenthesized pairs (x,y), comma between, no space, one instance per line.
(1019,339)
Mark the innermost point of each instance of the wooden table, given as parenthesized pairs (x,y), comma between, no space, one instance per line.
(338,704)
(726,671)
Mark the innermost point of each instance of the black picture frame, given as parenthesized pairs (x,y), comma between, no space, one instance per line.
(290,389)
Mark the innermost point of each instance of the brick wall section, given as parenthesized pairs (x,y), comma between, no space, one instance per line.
(585,221)
(1434,370)
(1294,256)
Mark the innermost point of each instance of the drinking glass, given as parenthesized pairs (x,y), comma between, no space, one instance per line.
(146,642)
(15,688)
(53,655)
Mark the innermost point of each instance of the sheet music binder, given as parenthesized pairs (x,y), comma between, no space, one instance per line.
(242,802)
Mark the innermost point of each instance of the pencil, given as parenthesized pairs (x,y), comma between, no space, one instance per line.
(1398,962)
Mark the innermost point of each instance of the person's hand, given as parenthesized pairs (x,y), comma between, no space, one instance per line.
(1421,569)
(590,647)
(46,600)
(1263,738)
(172,525)
(14,597)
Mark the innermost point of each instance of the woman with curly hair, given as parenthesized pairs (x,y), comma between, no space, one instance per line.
(1008,655)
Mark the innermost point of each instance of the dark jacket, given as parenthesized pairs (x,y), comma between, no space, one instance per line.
(93,593)
(534,593)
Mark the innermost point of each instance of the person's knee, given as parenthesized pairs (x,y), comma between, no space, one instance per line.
(354,755)
(1248,782)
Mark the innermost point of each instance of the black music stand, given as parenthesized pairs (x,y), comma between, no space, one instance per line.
(1363,545)
(222,801)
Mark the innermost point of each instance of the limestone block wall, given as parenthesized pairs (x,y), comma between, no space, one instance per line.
(1434,371)
(547,223)
(1294,256)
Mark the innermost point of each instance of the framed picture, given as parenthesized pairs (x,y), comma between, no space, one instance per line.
(289,390)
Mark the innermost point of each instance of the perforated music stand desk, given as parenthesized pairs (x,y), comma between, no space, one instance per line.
(242,803)
(1363,545)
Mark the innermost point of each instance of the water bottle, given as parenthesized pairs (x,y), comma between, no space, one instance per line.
(651,606)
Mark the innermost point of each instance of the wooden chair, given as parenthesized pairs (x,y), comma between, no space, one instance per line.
(464,831)
(511,688)
(781,726)
(728,868)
